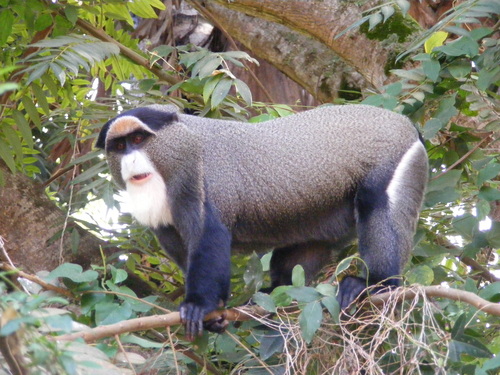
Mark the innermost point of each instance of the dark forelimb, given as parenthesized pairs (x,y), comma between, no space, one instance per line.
(207,275)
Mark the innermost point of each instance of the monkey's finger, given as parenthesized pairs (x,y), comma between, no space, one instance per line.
(192,317)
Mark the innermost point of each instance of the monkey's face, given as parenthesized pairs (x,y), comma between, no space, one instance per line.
(127,154)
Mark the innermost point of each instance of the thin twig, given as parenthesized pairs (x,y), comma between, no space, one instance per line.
(464,157)
(45,285)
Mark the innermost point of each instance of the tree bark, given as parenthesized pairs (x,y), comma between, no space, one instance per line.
(29,220)
(291,34)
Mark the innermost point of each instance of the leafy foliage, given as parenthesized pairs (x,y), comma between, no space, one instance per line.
(60,93)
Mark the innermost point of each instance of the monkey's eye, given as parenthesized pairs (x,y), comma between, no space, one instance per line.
(120,145)
(137,138)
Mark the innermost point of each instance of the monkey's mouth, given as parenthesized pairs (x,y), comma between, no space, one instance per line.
(141,177)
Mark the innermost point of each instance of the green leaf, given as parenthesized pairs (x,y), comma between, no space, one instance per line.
(41,98)
(460,69)
(210,85)
(445,195)
(343,265)
(333,307)
(466,225)
(464,46)
(9,86)
(459,327)
(298,276)
(91,172)
(6,156)
(43,21)
(280,295)
(489,194)
(220,92)
(265,260)
(387,11)
(164,50)
(119,275)
(265,301)
(75,241)
(30,108)
(13,139)
(147,84)
(89,300)
(489,172)
(73,272)
(142,8)
(243,89)
(394,89)
(51,85)
(431,127)
(190,58)
(493,235)
(71,13)
(110,313)
(449,179)
(490,291)
(488,77)
(261,118)
(435,40)
(24,127)
(304,294)
(142,342)
(7,21)
(446,109)
(431,69)
(471,347)
(37,71)
(404,5)
(270,344)
(207,66)
(423,275)
(310,320)
(254,274)
(326,289)
(491,364)
(374,20)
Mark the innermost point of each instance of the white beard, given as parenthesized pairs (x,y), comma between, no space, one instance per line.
(148,199)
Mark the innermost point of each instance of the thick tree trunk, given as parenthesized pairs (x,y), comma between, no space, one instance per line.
(29,220)
(299,38)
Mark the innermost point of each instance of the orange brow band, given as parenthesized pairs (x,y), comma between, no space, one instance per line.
(125,125)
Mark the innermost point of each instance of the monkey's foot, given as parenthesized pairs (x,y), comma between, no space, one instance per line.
(349,289)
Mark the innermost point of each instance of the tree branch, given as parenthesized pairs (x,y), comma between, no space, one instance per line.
(246,313)
(443,292)
(154,321)
(36,279)
(129,53)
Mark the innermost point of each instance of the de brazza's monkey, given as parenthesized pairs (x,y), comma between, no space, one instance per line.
(301,185)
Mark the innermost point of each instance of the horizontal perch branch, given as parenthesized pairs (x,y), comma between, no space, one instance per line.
(151,322)
(172,319)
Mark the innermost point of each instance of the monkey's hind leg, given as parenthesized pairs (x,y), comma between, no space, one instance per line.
(387,205)
(312,256)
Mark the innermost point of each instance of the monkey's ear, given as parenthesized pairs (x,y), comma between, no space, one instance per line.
(101,139)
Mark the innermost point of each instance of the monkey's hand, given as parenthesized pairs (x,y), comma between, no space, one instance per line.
(192,316)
